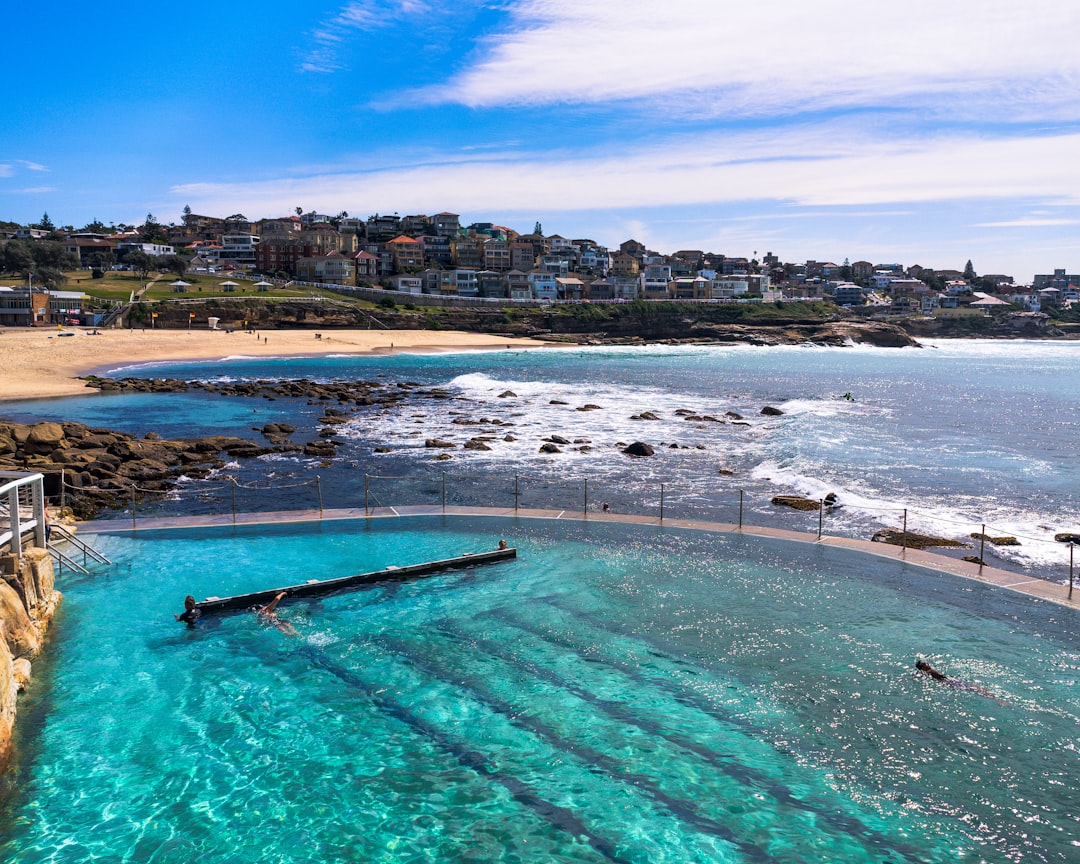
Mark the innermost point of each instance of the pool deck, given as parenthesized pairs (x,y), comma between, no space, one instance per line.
(1038,588)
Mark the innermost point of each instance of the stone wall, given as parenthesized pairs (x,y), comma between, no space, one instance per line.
(28,601)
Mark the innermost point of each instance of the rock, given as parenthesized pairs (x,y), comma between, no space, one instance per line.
(44,438)
(548,447)
(474,444)
(442,457)
(684,412)
(19,632)
(733,415)
(996,541)
(557,402)
(915,541)
(830,499)
(726,472)
(645,415)
(769,411)
(589,407)
(508,394)
(509,438)
(638,448)
(974,559)
(557,439)
(151,436)
(797,502)
(438,442)
(1068,537)
(20,669)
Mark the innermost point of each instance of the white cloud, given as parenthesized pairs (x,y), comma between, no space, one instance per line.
(722,57)
(32,166)
(6,170)
(36,190)
(812,166)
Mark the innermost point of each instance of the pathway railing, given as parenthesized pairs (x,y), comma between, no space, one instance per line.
(584,496)
(22,510)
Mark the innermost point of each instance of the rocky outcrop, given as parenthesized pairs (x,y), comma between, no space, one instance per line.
(103,468)
(639,448)
(796,502)
(28,601)
(911,540)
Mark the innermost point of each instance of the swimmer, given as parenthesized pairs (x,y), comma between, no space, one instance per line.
(268,615)
(502,545)
(926,669)
(190,615)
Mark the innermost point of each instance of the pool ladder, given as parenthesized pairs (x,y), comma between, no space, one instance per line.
(62,534)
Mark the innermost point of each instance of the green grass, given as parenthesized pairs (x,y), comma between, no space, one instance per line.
(118,285)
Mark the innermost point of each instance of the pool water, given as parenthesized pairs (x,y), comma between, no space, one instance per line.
(614,694)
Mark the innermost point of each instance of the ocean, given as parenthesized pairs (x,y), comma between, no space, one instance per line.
(956,437)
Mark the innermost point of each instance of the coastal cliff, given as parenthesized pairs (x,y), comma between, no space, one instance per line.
(28,602)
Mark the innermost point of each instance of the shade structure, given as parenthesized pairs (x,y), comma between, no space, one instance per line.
(229,285)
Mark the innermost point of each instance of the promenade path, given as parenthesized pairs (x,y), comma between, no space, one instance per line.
(1037,588)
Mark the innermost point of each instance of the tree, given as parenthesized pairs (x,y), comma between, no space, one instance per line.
(969,271)
(538,230)
(99,261)
(97,227)
(187,212)
(15,257)
(299,211)
(152,231)
(46,223)
(140,262)
(177,264)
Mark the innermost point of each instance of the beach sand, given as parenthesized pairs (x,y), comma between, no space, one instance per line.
(40,363)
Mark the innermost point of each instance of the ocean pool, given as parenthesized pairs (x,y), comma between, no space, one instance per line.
(615,694)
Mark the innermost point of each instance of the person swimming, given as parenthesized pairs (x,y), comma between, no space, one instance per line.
(926,669)
(268,615)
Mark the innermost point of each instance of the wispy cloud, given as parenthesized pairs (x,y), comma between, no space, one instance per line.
(6,170)
(1028,223)
(31,166)
(827,166)
(728,58)
(36,190)
(359,16)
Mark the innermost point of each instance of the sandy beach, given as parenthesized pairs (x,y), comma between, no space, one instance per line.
(41,363)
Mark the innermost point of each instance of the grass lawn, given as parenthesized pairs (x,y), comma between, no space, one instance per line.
(118,285)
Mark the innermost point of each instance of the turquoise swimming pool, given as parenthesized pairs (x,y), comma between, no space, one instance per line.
(615,694)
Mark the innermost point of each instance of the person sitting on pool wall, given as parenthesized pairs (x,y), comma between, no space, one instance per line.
(190,614)
(268,615)
(926,669)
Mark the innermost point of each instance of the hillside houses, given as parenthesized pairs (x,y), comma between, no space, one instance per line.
(439,255)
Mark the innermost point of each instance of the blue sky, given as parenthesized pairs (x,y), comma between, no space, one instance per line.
(925,131)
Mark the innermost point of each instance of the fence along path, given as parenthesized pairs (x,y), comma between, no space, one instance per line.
(1037,588)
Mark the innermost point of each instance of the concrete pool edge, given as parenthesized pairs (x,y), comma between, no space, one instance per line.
(1040,589)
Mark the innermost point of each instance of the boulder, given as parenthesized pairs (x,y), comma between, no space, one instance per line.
(769,411)
(798,502)
(1068,537)
(22,637)
(638,448)
(558,402)
(44,438)
(508,394)
(557,439)
(1004,540)
(645,415)
(548,447)
(438,442)
(589,407)
(475,444)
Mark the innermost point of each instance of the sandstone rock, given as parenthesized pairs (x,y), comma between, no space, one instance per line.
(996,541)
(475,444)
(1068,537)
(44,438)
(508,394)
(638,448)
(974,559)
(19,633)
(438,442)
(645,415)
(558,402)
(733,415)
(21,672)
(442,457)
